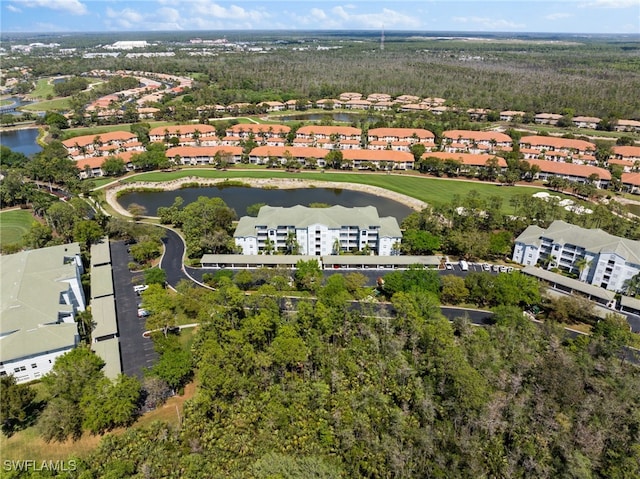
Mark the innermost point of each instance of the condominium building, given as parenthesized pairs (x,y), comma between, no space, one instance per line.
(40,295)
(317,231)
(595,256)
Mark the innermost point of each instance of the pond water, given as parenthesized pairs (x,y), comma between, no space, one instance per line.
(239,198)
(22,141)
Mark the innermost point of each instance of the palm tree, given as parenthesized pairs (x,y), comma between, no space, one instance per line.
(582,264)
(631,286)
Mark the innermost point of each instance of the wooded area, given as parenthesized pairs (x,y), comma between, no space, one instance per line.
(327,391)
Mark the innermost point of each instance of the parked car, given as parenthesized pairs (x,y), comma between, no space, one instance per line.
(464,266)
(503,269)
(448,266)
(142,313)
(486,267)
(139,288)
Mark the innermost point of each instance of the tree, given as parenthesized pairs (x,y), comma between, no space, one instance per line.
(254,209)
(334,159)
(61,420)
(113,166)
(72,373)
(38,236)
(87,232)
(453,290)
(136,211)
(109,405)
(174,367)
(16,404)
(308,275)
(155,276)
(420,242)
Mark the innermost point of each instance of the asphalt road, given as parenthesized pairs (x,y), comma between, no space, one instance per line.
(136,352)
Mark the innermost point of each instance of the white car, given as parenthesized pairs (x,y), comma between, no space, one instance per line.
(142,313)
(139,288)
(486,267)
(503,269)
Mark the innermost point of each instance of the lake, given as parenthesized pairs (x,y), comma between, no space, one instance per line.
(22,141)
(239,198)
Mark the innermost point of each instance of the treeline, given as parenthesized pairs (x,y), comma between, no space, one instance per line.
(326,390)
(593,78)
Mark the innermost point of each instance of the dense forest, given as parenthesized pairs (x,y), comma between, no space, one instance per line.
(598,77)
(324,390)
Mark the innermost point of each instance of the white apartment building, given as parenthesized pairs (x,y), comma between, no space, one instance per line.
(40,295)
(597,257)
(318,231)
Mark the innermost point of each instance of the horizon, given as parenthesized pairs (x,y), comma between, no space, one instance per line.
(574,17)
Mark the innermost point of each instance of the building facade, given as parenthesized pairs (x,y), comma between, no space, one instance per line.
(40,295)
(595,256)
(318,231)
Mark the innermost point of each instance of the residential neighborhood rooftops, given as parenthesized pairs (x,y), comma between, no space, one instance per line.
(477,135)
(570,169)
(111,136)
(556,142)
(328,130)
(181,129)
(258,128)
(469,159)
(419,133)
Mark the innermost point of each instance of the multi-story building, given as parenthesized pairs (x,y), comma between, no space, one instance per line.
(40,295)
(595,256)
(318,231)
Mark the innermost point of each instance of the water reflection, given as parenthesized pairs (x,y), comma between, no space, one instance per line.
(239,198)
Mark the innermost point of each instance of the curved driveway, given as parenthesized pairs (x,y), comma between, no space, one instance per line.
(173,264)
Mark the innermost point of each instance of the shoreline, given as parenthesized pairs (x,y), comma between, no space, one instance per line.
(280,183)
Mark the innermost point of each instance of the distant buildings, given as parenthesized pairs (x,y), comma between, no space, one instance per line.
(596,257)
(40,295)
(317,231)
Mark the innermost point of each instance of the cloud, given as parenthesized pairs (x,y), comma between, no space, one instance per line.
(211,9)
(489,23)
(74,7)
(126,18)
(13,8)
(612,3)
(558,16)
(348,16)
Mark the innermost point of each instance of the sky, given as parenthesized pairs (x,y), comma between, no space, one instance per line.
(560,16)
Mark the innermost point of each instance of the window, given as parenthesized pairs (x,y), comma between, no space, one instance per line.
(3,373)
(34,366)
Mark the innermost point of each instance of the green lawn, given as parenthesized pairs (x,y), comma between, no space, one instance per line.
(43,89)
(59,104)
(13,225)
(429,190)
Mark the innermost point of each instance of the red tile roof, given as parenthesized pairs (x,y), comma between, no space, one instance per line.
(570,169)
(556,142)
(477,135)
(104,138)
(181,129)
(400,133)
(328,130)
(255,128)
(468,159)
(378,155)
(631,179)
(191,151)
(627,151)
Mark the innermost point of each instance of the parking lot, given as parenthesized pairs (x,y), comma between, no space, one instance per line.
(136,352)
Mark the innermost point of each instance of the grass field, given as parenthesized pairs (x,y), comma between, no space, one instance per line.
(27,444)
(430,190)
(13,225)
(43,89)
(58,104)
